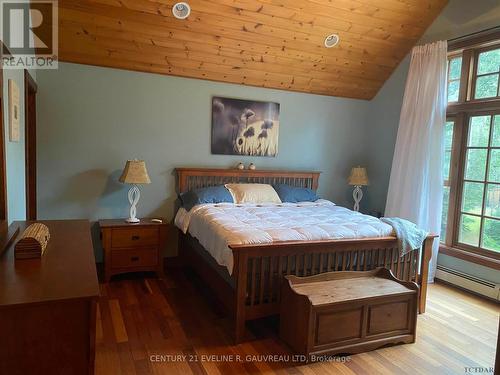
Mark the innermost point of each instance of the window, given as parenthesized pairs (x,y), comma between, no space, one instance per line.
(454,68)
(471,164)
(487,72)
(448,142)
(479,213)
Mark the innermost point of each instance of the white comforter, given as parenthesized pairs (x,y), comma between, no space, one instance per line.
(216,226)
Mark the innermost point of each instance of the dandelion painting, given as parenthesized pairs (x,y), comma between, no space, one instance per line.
(244,127)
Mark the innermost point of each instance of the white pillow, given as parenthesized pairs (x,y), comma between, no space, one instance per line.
(253,193)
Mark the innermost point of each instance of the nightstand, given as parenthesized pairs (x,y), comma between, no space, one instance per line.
(133,247)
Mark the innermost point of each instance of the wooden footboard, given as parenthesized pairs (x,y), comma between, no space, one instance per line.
(259,269)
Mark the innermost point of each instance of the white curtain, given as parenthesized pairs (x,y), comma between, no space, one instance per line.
(416,184)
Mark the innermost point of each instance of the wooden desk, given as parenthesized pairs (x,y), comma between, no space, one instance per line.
(48,305)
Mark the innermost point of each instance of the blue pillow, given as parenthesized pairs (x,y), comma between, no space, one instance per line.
(212,194)
(292,194)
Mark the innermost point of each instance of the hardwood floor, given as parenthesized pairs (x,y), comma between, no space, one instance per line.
(147,326)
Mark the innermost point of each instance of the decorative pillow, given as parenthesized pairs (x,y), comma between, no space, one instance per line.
(253,193)
(212,194)
(292,194)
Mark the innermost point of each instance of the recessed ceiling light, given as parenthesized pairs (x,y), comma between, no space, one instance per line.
(181,10)
(332,40)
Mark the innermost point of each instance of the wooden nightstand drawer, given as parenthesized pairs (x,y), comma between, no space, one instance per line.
(125,258)
(133,247)
(134,237)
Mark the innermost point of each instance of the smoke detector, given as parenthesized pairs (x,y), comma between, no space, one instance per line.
(181,10)
(332,40)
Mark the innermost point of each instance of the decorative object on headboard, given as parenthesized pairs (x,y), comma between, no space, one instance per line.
(252,167)
(135,173)
(245,127)
(240,166)
(32,242)
(358,178)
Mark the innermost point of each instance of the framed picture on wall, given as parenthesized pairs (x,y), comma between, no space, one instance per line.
(245,127)
(14,112)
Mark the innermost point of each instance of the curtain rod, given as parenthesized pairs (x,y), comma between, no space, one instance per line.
(486,31)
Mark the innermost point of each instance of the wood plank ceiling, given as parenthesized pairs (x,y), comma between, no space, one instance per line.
(266,43)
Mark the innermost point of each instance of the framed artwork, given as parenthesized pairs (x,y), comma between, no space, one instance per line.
(14,112)
(245,127)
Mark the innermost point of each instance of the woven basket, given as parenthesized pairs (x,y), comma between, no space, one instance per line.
(32,242)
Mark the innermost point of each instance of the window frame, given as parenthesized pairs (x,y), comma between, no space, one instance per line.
(460,113)
(453,176)
(451,57)
(460,188)
(476,53)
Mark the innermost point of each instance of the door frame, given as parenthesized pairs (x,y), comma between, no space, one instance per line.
(3,166)
(30,146)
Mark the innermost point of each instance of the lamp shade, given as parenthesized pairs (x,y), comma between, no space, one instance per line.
(135,172)
(358,177)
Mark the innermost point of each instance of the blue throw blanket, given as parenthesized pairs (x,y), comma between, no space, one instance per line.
(410,237)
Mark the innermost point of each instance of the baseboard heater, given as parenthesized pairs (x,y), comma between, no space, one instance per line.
(472,283)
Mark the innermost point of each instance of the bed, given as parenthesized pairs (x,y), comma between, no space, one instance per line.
(250,287)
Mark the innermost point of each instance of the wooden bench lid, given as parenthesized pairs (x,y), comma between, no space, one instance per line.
(335,287)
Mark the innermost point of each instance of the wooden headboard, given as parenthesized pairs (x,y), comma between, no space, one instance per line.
(195,178)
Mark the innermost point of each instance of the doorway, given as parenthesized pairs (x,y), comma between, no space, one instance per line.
(30,89)
(4,233)
(3,173)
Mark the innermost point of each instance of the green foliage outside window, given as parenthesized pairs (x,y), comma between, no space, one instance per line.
(448,144)
(487,74)
(479,147)
(454,68)
(489,62)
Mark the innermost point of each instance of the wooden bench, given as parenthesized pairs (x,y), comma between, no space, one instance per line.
(347,312)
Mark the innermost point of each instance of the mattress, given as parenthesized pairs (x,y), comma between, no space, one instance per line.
(217,226)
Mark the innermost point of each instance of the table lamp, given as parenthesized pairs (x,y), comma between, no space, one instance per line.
(135,173)
(358,178)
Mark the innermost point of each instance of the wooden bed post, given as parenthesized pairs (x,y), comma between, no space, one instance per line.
(424,275)
(241,272)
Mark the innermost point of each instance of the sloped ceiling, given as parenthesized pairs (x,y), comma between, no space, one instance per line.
(266,43)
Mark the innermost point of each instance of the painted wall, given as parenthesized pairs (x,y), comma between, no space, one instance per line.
(14,151)
(460,17)
(91,120)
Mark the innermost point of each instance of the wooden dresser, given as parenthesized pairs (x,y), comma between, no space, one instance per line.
(133,247)
(48,305)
